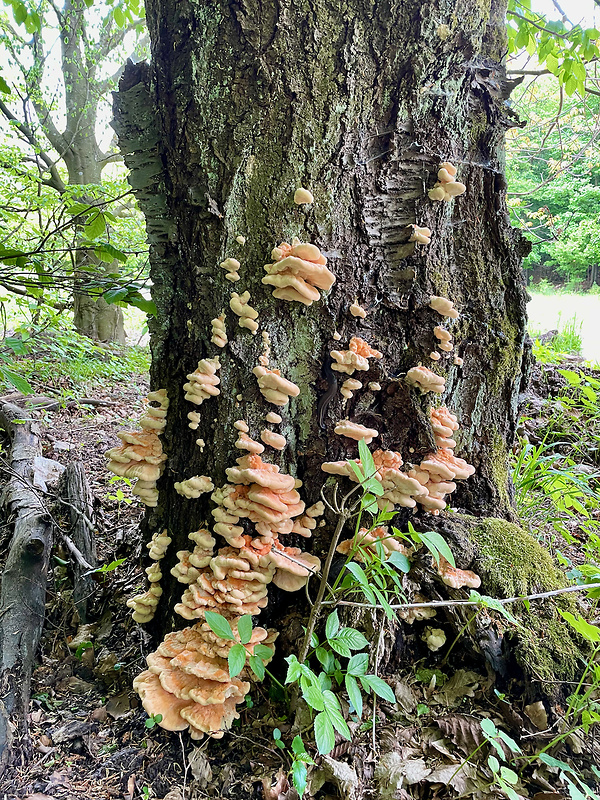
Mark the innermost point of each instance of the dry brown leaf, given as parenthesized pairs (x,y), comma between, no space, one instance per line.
(463,731)
(118,705)
(200,767)
(463,780)
(547,796)
(462,684)
(537,714)
(405,697)
(281,785)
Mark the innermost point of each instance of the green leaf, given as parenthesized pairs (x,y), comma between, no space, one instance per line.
(257,666)
(108,253)
(358,573)
(147,306)
(314,697)
(298,745)
(380,687)
(294,669)
(358,664)
(340,647)
(354,694)
(436,544)
(119,17)
(588,631)
(400,561)
(299,773)
(236,659)
(19,12)
(115,295)
(263,652)
(357,470)
(95,226)
(332,625)
(333,711)
(488,727)
(244,627)
(324,733)
(494,764)
(495,604)
(4,87)
(353,638)
(20,384)
(219,625)
(366,459)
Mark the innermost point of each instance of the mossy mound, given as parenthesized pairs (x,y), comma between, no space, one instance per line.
(512,563)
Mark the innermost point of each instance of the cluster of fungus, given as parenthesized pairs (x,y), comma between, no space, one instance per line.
(203,382)
(239,304)
(141,455)
(447,186)
(187,680)
(298,272)
(143,606)
(355,358)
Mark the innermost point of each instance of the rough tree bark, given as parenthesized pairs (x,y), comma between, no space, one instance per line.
(360,102)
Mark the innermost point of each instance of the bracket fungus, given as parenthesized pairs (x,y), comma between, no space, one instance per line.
(187,681)
(219,334)
(446,187)
(303,196)
(420,235)
(357,311)
(194,487)
(434,356)
(444,424)
(458,361)
(203,382)
(158,545)
(443,306)
(247,315)
(434,638)
(352,430)
(194,420)
(444,337)
(244,442)
(374,386)
(273,387)
(272,439)
(231,266)
(141,455)
(298,271)
(426,380)
(143,606)
(457,578)
(273,418)
(349,387)
(355,358)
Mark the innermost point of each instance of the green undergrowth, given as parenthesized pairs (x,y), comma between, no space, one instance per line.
(60,360)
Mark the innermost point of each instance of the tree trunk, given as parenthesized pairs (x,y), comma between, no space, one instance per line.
(244,104)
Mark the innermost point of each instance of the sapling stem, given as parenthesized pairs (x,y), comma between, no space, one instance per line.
(316,609)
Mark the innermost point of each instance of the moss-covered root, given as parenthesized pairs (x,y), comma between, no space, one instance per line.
(512,563)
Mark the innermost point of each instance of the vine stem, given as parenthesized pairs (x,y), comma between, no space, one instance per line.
(316,609)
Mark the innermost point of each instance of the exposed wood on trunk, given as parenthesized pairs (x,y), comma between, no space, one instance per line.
(23,594)
(76,491)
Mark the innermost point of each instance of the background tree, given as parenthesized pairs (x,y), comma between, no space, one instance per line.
(92,46)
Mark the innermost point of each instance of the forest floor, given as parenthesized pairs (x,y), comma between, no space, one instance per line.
(92,739)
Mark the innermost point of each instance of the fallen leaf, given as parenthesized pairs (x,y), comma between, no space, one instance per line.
(462,684)
(118,705)
(463,731)
(537,714)
(405,697)
(200,767)
(547,796)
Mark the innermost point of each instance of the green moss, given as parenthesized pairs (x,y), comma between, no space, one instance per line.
(512,563)
(498,462)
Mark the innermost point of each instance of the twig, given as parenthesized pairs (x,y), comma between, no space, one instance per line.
(76,552)
(379,642)
(448,603)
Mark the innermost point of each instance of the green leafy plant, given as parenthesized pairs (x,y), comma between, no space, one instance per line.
(153,720)
(238,654)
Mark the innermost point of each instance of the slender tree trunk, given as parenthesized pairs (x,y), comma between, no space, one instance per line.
(243,104)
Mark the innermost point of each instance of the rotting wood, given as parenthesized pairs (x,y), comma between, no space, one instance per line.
(23,594)
(74,489)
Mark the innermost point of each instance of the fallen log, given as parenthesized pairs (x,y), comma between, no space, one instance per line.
(81,542)
(23,593)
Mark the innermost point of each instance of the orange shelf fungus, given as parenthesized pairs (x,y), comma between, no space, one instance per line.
(187,681)
(143,606)
(244,442)
(273,387)
(219,334)
(158,545)
(444,423)
(457,578)
(357,311)
(316,510)
(247,315)
(337,336)
(443,306)
(298,271)
(420,235)
(141,455)
(273,418)
(444,338)
(410,615)
(458,361)
(194,487)
(231,266)
(241,425)
(272,439)
(293,567)
(426,380)
(353,430)
(355,358)
(349,387)
(303,196)
(194,420)
(434,356)
(203,382)
(446,187)
(374,386)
